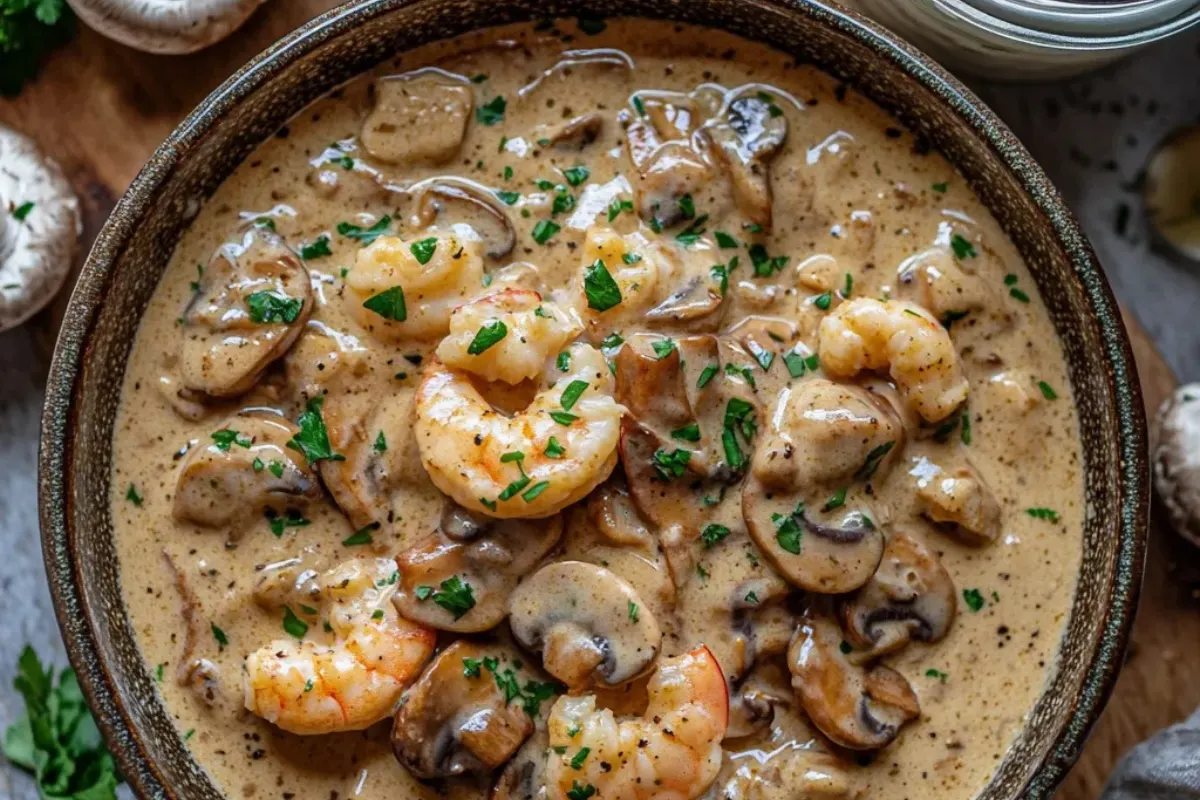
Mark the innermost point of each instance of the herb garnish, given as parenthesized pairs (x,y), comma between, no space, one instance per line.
(670,465)
(962,247)
(389,304)
(601,290)
(294,625)
(576,175)
(364,235)
(492,111)
(545,230)
(132,496)
(688,433)
(454,595)
(973,598)
(571,394)
(316,249)
(423,250)
(313,438)
(1043,513)
(712,534)
(225,437)
(267,307)
(1047,390)
(486,337)
(361,536)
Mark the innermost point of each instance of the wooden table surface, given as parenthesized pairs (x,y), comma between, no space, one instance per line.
(100,109)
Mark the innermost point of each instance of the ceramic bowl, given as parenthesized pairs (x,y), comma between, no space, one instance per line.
(132,252)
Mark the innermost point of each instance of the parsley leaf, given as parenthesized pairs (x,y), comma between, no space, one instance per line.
(292,624)
(313,439)
(601,290)
(267,307)
(317,249)
(545,230)
(973,599)
(423,250)
(571,394)
(364,235)
(29,29)
(962,247)
(389,304)
(132,496)
(688,433)
(455,596)
(360,536)
(576,175)
(1043,513)
(487,336)
(492,111)
(670,465)
(713,533)
(56,739)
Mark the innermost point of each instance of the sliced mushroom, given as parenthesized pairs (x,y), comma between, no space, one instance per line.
(455,719)
(1177,460)
(165,26)
(791,771)
(935,279)
(379,453)
(667,160)
(420,117)
(957,500)
(577,132)
(457,203)
(251,302)
(747,134)
(291,582)
(579,616)
(39,229)
(860,709)
(324,357)
(827,557)
(488,555)
(245,469)
(696,300)
(910,596)
(523,777)
(824,435)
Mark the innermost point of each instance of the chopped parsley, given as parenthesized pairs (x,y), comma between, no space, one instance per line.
(601,290)
(361,536)
(275,468)
(764,265)
(692,233)
(554,449)
(388,304)
(294,625)
(706,375)
(634,613)
(973,598)
(313,439)
(563,361)
(663,347)
(487,336)
(874,458)
(267,307)
(788,532)
(131,494)
(616,207)
(380,443)
(545,230)
(22,211)
(1018,294)
(219,635)
(940,188)
(966,428)
(688,433)
(639,106)
(687,206)
(562,417)
(823,301)
(533,491)
(508,198)
(670,465)
(936,673)
(492,111)
(364,235)
(725,241)
(572,393)
(578,759)
(316,249)
(631,258)
(961,247)
(576,175)
(423,250)
(1047,390)
(224,438)
(1048,514)
(713,533)
(454,595)
(564,201)
(291,519)
(837,500)
(471,666)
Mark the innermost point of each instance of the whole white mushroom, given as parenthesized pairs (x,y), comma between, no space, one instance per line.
(39,228)
(165,26)
(1177,460)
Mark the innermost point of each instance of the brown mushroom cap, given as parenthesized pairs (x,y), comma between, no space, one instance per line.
(524,775)
(251,303)
(578,616)
(490,556)
(668,160)
(1177,460)
(829,556)
(747,133)
(857,708)
(455,718)
(219,483)
(420,117)
(453,202)
(910,596)
(826,434)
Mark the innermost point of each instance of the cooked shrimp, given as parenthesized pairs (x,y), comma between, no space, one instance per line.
(531,464)
(402,288)
(507,336)
(308,687)
(872,334)
(657,283)
(673,752)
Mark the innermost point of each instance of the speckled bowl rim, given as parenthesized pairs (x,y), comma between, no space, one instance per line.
(54,469)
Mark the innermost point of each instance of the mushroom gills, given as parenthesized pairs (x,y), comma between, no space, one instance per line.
(165,27)
(856,707)
(478,559)
(579,617)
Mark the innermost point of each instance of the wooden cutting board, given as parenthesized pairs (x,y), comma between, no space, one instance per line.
(100,109)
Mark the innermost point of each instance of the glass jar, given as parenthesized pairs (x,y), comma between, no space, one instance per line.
(1031,39)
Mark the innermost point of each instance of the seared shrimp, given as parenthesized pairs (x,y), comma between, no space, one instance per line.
(673,752)
(534,463)
(308,687)
(507,336)
(920,357)
(402,288)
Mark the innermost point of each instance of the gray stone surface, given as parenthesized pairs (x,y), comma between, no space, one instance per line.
(1092,134)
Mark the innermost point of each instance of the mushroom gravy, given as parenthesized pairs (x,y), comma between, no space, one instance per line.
(745,390)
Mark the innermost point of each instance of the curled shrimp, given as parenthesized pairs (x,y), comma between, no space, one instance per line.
(508,335)
(872,334)
(672,752)
(400,289)
(309,687)
(533,463)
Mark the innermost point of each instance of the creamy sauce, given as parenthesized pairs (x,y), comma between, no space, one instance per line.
(856,201)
